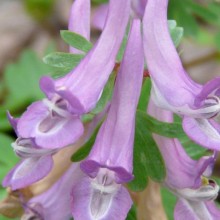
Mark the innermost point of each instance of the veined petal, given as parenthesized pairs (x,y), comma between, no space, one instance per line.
(28,171)
(87,80)
(93,203)
(193,210)
(202,131)
(163,62)
(50,128)
(79,21)
(113,147)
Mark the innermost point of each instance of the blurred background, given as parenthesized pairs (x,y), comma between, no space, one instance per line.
(30,29)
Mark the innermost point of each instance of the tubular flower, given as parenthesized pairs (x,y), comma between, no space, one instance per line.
(172,87)
(54,204)
(109,163)
(55,121)
(185,177)
(35,163)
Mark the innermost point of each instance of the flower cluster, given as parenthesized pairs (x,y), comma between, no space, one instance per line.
(95,187)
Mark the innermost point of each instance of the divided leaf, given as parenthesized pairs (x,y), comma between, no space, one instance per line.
(147,160)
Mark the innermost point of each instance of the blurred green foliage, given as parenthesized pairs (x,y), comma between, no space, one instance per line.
(201,22)
(20,85)
(39,9)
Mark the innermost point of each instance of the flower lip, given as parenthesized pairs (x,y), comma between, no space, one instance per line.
(58,106)
(59,91)
(105,181)
(26,148)
(104,189)
(91,168)
(206,192)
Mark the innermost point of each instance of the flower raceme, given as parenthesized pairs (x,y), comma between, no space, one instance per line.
(172,87)
(100,193)
(186,177)
(55,121)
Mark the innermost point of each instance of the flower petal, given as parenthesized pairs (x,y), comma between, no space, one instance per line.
(192,210)
(203,131)
(49,132)
(113,137)
(85,200)
(56,201)
(99,16)
(163,61)
(28,172)
(138,7)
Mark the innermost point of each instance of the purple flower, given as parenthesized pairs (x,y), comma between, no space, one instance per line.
(185,177)
(35,163)
(172,87)
(54,204)
(138,7)
(100,194)
(55,121)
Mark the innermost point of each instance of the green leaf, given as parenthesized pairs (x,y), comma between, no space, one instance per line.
(194,150)
(169,202)
(132,213)
(147,159)
(145,95)
(39,9)
(77,41)
(8,158)
(87,117)
(178,10)
(83,152)
(63,60)
(175,32)
(201,11)
(106,95)
(4,124)
(171,130)
(99,2)
(214,7)
(217,40)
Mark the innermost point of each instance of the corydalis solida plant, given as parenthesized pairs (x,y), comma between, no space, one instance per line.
(55,122)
